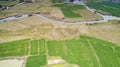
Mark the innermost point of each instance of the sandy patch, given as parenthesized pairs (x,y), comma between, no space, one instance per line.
(11,63)
(55,61)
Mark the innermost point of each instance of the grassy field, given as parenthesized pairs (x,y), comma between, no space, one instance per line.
(56,1)
(8,3)
(36,61)
(58,65)
(34,47)
(42,45)
(15,48)
(112,8)
(86,52)
(68,10)
(57,46)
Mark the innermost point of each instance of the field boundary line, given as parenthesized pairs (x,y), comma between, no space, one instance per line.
(96,56)
(29,47)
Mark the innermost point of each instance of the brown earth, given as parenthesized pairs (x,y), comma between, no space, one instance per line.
(35,28)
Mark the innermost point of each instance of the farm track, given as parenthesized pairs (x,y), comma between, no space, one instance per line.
(105,18)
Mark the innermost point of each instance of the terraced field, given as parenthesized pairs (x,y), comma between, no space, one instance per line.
(112,8)
(68,10)
(84,52)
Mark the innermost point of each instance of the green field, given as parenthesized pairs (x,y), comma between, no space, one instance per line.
(15,48)
(42,45)
(68,10)
(6,3)
(85,51)
(56,1)
(36,61)
(112,8)
(34,47)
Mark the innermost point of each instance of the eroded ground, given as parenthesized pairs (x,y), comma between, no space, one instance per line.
(34,27)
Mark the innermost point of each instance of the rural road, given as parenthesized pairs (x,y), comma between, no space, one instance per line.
(106,18)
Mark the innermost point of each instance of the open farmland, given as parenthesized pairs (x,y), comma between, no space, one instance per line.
(15,48)
(6,3)
(84,52)
(43,42)
(36,61)
(34,50)
(112,8)
(34,47)
(68,9)
(73,13)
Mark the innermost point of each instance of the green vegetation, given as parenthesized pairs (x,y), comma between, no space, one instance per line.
(8,3)
(42,46)
(57,46)
(112,8)
(58,65)
(14,48)
(68,10)
(34,47)
(86,52)
(56,1)
(36,61)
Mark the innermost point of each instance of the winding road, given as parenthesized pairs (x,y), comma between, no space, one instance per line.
(106,18)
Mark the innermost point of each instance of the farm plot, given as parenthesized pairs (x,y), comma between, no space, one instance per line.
(38,47)
(14,48)
(34,47)
(111,8)
(68,10)
(57,46)
(36,61)
(42,46)
(86,52)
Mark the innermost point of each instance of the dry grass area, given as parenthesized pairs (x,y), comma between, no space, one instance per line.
(108,32)
(46,10)
(49,11)
(24,8)
(52,12)
(35,28)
